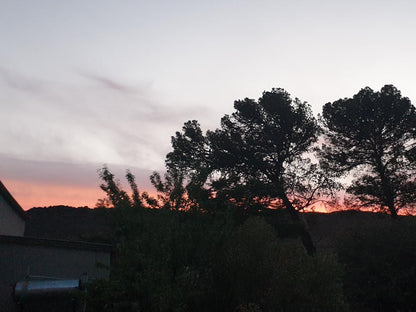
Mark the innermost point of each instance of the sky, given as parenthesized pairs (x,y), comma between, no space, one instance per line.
(88,83)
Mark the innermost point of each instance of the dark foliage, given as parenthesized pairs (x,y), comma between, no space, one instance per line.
(169,260)
(374,133)
(256,159)
(258,145)
(213,246)
(380,265)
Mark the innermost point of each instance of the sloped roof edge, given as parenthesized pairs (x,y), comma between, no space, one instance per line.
(34,241)
(11,201)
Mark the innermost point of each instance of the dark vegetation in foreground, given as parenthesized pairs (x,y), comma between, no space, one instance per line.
(182,261)
(209,241)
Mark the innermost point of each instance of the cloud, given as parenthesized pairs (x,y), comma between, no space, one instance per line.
(76,122)
(19,82)
(61,173)
(109,83)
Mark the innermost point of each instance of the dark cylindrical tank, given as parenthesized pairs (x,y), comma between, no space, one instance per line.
(34,288)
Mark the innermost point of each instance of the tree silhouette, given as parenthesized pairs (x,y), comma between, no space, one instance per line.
(373,132)
(171,191)
(255,158)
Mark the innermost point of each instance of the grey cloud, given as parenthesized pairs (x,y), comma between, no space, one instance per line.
(109,83)
(66,174)
(140,97)
(17,81)
(82,123)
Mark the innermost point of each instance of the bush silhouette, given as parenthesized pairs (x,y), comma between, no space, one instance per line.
(380,264)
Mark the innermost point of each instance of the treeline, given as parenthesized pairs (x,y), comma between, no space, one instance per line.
(275,152)
(209,246)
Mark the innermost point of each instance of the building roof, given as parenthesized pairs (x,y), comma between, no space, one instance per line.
(11,201)
(34,241)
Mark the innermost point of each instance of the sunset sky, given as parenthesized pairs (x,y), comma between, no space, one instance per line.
(87,83)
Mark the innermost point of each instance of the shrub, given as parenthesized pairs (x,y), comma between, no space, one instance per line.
(380,264)
(182,261)
(261,270)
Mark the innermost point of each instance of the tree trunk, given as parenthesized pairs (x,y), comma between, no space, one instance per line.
(393,212)
(387,189)
(304,233)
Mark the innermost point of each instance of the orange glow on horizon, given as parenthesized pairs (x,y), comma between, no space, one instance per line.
(319,207)
(32,194)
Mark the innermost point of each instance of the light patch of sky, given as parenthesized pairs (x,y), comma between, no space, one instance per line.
(109,81)
(84,124)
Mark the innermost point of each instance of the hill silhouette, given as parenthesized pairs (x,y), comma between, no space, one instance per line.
(83,223)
